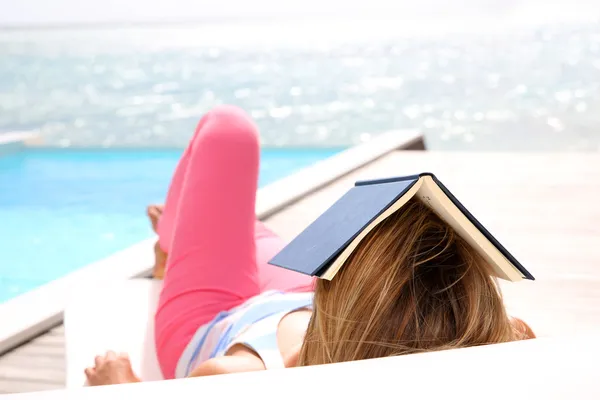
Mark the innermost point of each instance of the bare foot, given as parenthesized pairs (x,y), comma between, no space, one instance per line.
(160,262)
(154,213)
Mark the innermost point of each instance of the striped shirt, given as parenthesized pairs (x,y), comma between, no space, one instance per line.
(253,323)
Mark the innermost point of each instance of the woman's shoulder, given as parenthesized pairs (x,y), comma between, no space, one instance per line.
(228,365)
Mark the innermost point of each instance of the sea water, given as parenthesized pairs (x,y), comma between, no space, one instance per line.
(532,86)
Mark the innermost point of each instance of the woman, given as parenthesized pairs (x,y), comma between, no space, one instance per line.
(411,286)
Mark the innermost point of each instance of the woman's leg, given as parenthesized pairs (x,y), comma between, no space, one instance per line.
(208,230)
(271,277)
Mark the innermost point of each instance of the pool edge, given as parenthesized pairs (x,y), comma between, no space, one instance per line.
(42,308)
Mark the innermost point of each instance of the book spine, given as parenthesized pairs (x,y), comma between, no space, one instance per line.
(387,180)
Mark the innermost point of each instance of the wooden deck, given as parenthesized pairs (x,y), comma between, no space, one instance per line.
(542,207)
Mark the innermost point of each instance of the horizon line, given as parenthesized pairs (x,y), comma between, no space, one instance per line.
(219,19)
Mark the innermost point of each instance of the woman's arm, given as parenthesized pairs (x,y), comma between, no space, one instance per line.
(228,365)
(113,369)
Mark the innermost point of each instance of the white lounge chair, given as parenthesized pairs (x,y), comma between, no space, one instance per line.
(117,317)
(549,368)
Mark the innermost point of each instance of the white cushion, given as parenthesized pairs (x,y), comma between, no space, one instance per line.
(550,368)
(118,317)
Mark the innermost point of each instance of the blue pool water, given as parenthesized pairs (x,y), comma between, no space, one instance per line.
(60,210)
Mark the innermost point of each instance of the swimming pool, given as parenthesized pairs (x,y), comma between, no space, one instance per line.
(63,209)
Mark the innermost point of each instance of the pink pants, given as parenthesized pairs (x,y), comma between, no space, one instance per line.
(217,250)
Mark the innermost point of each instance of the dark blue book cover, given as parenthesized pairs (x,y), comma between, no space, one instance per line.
(322,241)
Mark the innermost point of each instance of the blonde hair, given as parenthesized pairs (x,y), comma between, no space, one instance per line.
(412,285)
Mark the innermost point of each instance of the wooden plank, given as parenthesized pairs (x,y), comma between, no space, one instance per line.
(32,373)
(41,361)
(515,193)
(58,331)
(9,386)
(36,365)
(31,349)
(49,340)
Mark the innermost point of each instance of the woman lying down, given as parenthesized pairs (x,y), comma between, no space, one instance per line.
(223,309)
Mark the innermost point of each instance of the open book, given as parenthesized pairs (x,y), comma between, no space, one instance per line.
(323,247)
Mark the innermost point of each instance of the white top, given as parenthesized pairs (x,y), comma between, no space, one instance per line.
(253,324)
